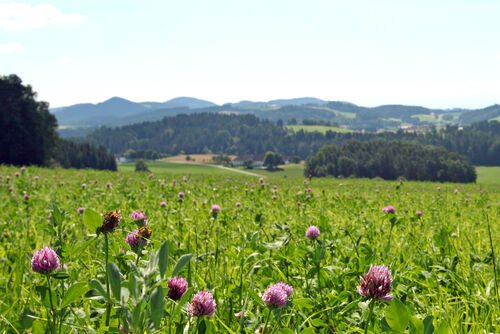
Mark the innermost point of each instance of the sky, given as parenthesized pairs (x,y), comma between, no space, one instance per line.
(438,54)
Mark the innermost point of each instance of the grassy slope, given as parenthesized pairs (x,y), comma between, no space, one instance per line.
(488,175)
(317,128)
(485,175)
(164,167)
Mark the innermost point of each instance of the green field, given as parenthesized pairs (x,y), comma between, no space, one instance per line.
(442,278)
(292,170)
(488,175)
(318,128)
(165,167)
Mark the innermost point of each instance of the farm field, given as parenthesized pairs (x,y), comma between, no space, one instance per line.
(171,167)
(235,236)
(318,128)
(488,175)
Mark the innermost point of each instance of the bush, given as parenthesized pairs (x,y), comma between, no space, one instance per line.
(140,166)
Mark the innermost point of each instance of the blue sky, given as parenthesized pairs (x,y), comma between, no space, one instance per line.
(434,53)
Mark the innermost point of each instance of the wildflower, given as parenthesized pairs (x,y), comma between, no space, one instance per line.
(389,209)
(174,182)
(177,286)
(44,261)
(215,209)
(26,197)
(163,204)
(110,221)
(81,210)
(308,196)
(184,179)
(202,304)
(135,241)
(11,189)
(312,232)
(419,213)
(238,204)
(162,184)
(23,169)
(181,195)
(17,174)
(145,232)
(438,188)
(108,185)
(121,328)
(453,235)
(376,283)
(275,296)
(139,218)
(456,191)
(36,177)
(84,186)
(285,287)
(274,196)
(299,204)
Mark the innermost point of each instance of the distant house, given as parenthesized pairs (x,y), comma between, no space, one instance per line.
(123,159)
(257,159)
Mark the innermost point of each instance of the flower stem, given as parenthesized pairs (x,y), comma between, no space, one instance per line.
(372,304)
(108,304)
(265,326)
(51,306)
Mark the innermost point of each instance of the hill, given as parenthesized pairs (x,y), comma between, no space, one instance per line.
(118,111)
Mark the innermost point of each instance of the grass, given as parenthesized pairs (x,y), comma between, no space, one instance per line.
(291,170)
(488,175)
(318,128)
(440,261)
(165,167)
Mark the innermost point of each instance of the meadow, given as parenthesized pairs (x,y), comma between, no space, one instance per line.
(235,236)
(318,128)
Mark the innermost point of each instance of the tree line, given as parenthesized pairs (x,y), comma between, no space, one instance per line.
(390,160)
(28,133)
(246,134)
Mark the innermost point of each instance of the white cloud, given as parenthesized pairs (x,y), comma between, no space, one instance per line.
(10,48)
(20,16)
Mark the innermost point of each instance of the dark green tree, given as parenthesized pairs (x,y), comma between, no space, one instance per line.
(140,166)
(27,129)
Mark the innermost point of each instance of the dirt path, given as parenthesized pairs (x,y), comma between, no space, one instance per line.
(218,166)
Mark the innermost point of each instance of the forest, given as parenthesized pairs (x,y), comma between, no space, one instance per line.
(246,134)
(28,133)
(390,160)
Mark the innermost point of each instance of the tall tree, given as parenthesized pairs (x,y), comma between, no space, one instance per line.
(27,129)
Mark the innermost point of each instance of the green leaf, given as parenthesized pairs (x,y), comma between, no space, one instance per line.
(310,330)
(157,304)
(74,293)
(416,326)
(255,297)
(428,326)
(318,323)
(115,280)
(163,259)
(285,331)
(442,328)
(397,315)
(92,220)
(43,291)
(183,260)
(95,284)
(60,275)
